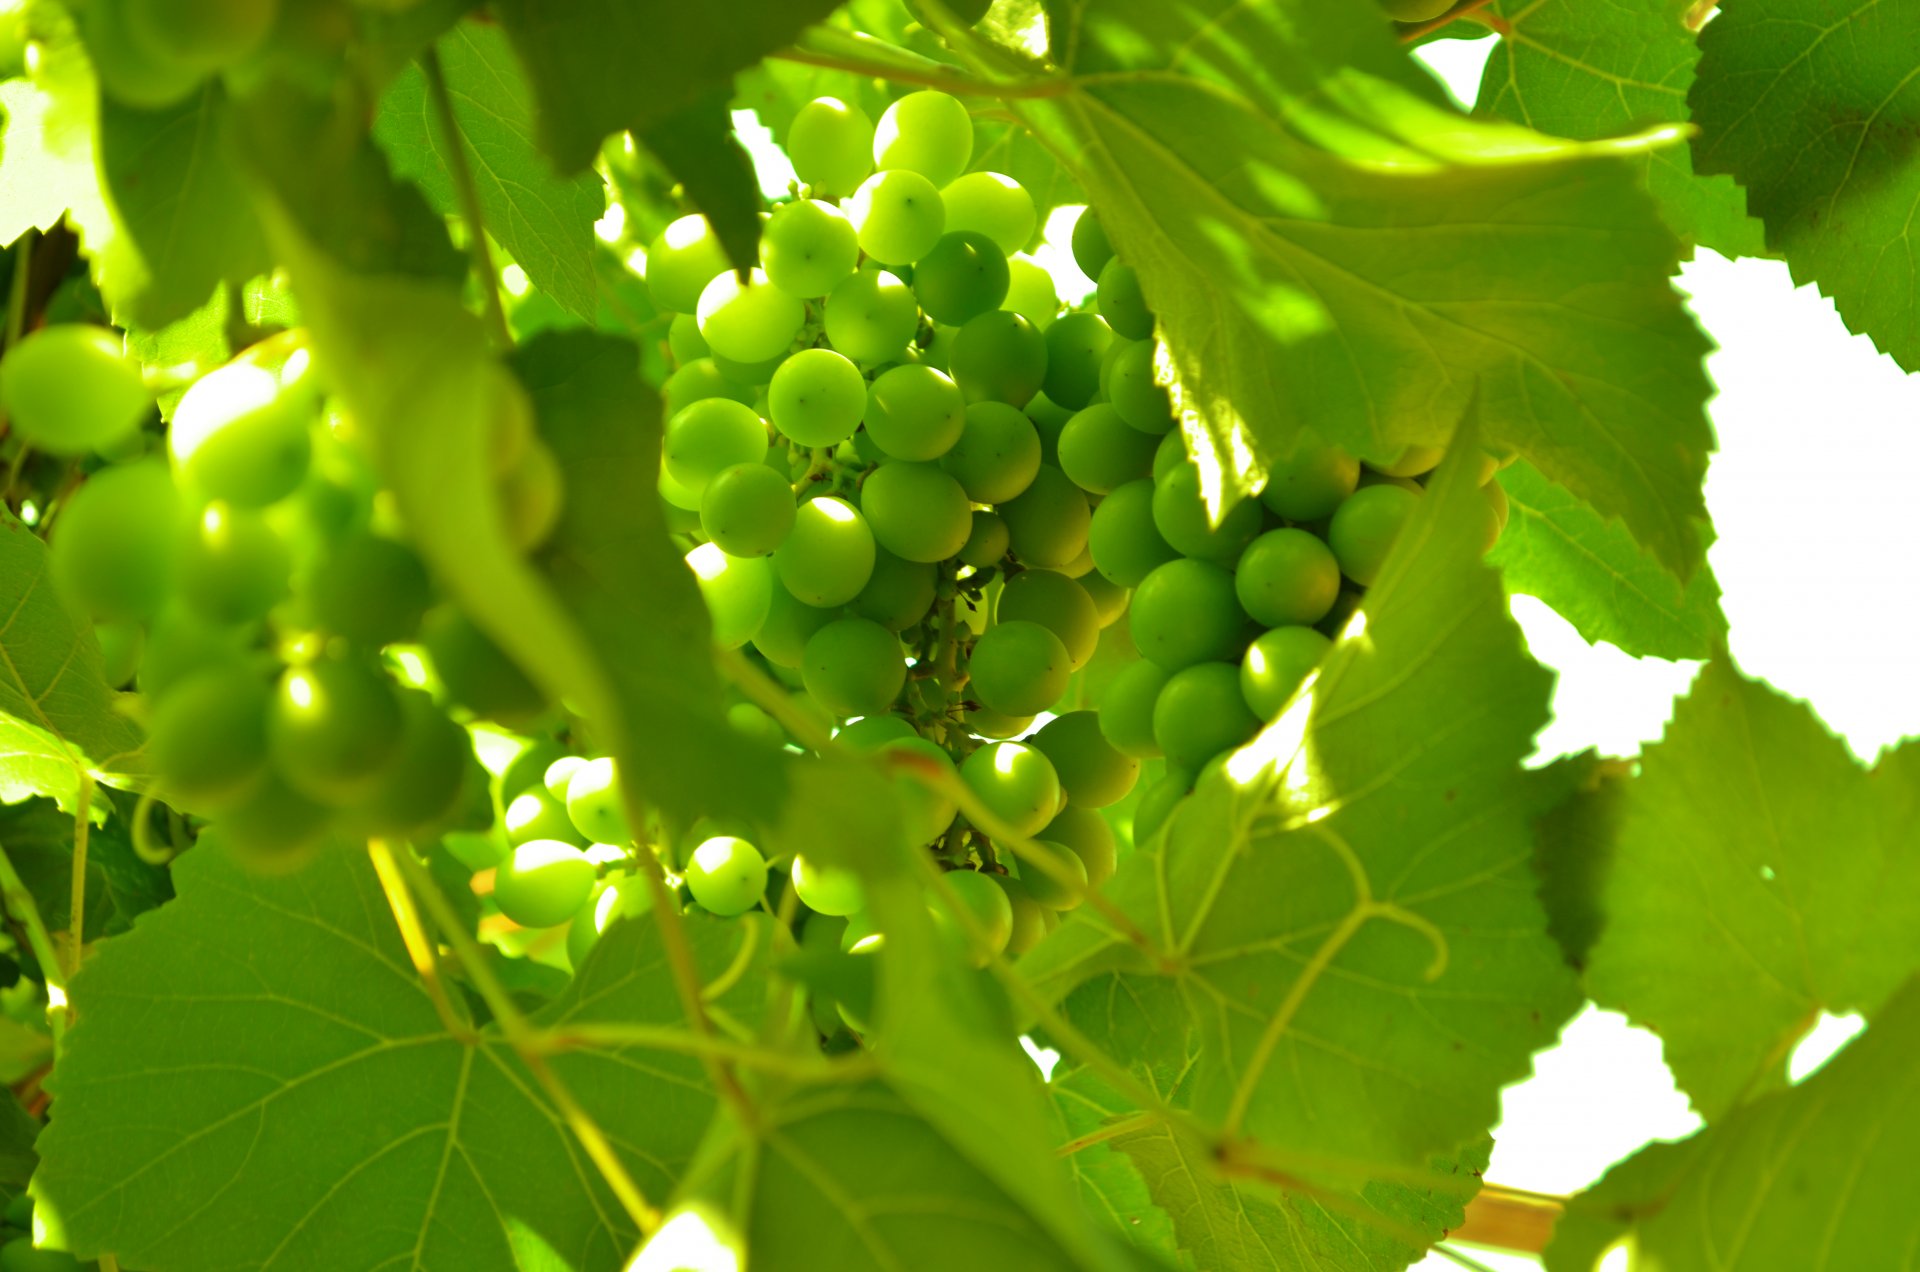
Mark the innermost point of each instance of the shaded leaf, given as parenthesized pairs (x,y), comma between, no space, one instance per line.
(1573,848)
(38,837)
(697,145)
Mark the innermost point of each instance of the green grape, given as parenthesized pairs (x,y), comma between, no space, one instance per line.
(127,69)
(424,782)
(986,903)
(369,589)
(1109,598)
(1121,303)
(532,496)
(997,455)
(200,35)
(926,811)
(617,899)
(961,277)
(536,814)
(987,540)
(1365,526)
(1180,513)
(1048,417)
(1201,713)
(1047,523)
(1186,612)
(711,435)
(530,765)
(854,667)
(1016,782)
(1415,10)
(1085,833)
(898,594)
(115,548)
(698,380)
(477,673)
(828,555)
(1141,402)
(67,390)
(207,739)
(831,146)
(917,512)
(1076,346)
(554,777)
(333,727)
(816,398)
(1029,916)
(751,722)
(684,340)
(1100,452)
(1310,483)
(751,321)
(727,875)
(1030,293)
(830,890)
(915,413)
(928,132)
(1156,805)
(898,215)
(1058,604)
(782,638)
(1287,577)
(1412,461)
(747,510)
(994,205)
(869,733)
(180,642)
(999,356)
(871,316)
(808,248)
(1093,772)
(1126,544)
(1055,893)
(234,567)
(1091,250)
(239,435)
(1172,454)
(1368,477)
(738,592)
(594,804)
(271,819)
(1018,668)
(937,352)
(985,722)
(121,645)
(752,375)
(1277,663)
(681,261)
(543,883)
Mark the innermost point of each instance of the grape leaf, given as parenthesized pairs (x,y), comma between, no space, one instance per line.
(1589,71)
(47,165)
(544,221)
(1593,574)
(1754,852)
(697,145)
(1366,286)
(38,838)
(18,1129)
(1011,151)
(1573,848)
(1812,105)
(315,1112)
(1631,1190)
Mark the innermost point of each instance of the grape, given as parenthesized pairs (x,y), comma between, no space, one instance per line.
(67,389)
(681,261)
(477,673)
(333,726)
(1091,250)
(899,216)
(828,555)
(1412,461)
(1126,544)
(1029,921)
(121,645)
(997,455)
(751,321)
(1121,303)
(423,782)
(782,638)
(915,413)
(1048,417)
(1018,668)
(711,435)
(962,276)
(698,380)
(1287,577)
(1156,806)
(625,898)
(1201,713)
(986,541)
(180,643)
(917,512)
(1076,346)
(1172,454)
(1180,514)
(207,739)
(1186,612)
(988,723)
(200,35)
(553,778)
(1109,598)
(994,205)
(727,875)
(831,146)
(854,667)
(1093,772)
(1310,483)
(816,398)
(1101,452)
(751,375)
(999,356)
(234,567)
(543,883)
(928,132)
(1415,10)
(1058,604)
(926,811)
(370,590)
(987,904)
(751,722)
(271,819)
(1014,781)
(828,890)
(115,547)
(738,592)
(1056,894)
(1141,402)
(871,316)
(532,496)
(128,71)
(1087,835)
(238,435)
(1047,523)
(808,248)
(899,593)
(1276,664)
(1030,293)
(869,733)
(594,805)
(937,352)
(747,510)
(1365,526)
(684,340)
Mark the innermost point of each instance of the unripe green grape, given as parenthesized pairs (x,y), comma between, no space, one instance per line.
(709,436)
(532,497)
(535,814)
(854,667)
(1171,454)
(898,216)
(1029,923)
(369,589)
(750,321)
(334,725)
(994,205)
(684,340)
(127,70)
(1018,668)
(1180,513)
(1412,461)
(751,722)
(115,547)
(1126,544)
(1415,10)
(1310,483)
(1121,302)
(1076,346)
(1277,663)
(1093,772)
(68,389)
(917,511)
(831,146)
(1048,417)
(1055,893)
(1287,577)
(424,781)
(1100,452)
(180,643)
(202,35)
(681,261)
(871,316)
(915,413)
(1109,598)
(961,277)
(999,356)
(1016,782)
(477,673)
(543,883)
(233,566)
(727,875)
(1368,477)
(1048,521)
(1201,713)
(869,733)
(1186,612)
(987,540)
(1156,806)
(555,776)
(1141,402)
(828,555)
(1084,832)
(899,594)
(271,819)
(594,804)
(986,904)
(984,721)
(529,767)
(747,510)
(831,890)
(617,899)
(121,645)
(937,351)
(782,638)
(738,592)
(1031,293)
(926,811)
(997,455)
(817,397)
(808,248)
(1058,604)
(1365,526)
(1091,250)
(207,739)
(928,132)
(752,375)
(239,435)
(698,380)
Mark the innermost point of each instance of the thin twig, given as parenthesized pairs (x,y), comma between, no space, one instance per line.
(462,172)
(77,908)
(1112,1130)
(861,55)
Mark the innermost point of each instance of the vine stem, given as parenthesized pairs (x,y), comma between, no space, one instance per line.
(665,1038)
(20,905)
(1510,1219)
(461,170)
(1112,1130)
(862,55)
(77,908)
(413,934)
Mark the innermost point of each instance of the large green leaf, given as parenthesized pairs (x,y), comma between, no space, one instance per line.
(1330,249)
(1812,106)
(1757,855)
(1589,71)
(38,838)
